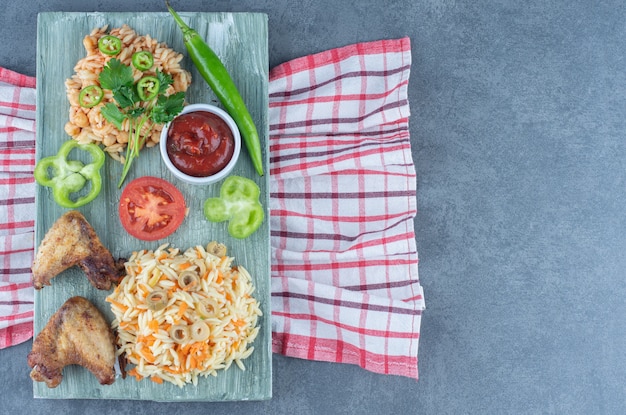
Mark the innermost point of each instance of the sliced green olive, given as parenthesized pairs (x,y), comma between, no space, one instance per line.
(189,280)
(216,249)
(156,300)
(179,333)
(200,331)
(205,310)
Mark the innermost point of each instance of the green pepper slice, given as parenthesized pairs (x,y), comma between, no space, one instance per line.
(239,204)
(110,45)
(148,87)
(143,60)
(90,96)
(70,176)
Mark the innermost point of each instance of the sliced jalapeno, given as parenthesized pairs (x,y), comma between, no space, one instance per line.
(143,60)
(110,45)
(90,96)
(148,88)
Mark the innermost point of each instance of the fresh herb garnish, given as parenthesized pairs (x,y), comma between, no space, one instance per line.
(137,107)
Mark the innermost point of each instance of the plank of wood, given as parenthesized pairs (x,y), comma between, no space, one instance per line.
(240,40)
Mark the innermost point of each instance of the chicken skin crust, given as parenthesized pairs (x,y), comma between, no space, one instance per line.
(77,334)
(72,241)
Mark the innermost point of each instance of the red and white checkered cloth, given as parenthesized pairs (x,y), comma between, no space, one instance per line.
(17,205)
(345,286)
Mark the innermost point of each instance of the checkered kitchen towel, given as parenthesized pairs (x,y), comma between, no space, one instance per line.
(17,209)
(345,286)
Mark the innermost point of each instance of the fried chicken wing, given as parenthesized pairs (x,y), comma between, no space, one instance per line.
(72,241)
(76,334)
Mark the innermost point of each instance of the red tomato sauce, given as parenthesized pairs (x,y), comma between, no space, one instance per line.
(200,143)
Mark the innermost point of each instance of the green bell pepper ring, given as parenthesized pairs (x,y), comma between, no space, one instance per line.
(239,204)
(70,176)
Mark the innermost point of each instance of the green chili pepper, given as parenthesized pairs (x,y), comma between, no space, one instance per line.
(110,45)
(148,87)
(238,204)
(218,78)
(70,176)
(143,60)
(90,96)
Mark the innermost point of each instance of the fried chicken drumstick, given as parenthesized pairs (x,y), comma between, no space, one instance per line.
(72,241)
(76,334)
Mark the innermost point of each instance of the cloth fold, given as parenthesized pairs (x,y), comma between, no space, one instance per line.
(345,285)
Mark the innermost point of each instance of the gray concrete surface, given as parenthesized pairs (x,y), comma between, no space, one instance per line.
(518,127)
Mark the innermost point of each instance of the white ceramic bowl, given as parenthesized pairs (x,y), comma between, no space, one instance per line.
(214,178)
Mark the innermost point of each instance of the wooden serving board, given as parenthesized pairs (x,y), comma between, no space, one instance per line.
(240,40)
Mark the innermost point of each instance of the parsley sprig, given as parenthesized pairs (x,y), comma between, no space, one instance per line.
(136,106)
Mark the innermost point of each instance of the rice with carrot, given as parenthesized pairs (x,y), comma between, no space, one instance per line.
(180,316)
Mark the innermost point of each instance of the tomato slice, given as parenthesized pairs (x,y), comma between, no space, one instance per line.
(151,208)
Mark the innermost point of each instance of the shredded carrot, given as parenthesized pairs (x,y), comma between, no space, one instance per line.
(147,340)
(118,304)
(162,256)
(147,354)
(193,363)
(133,372)
(219,278)
(156,379)
(154,325)
(186,348)
(128,326)
(229,297)
(182,358)
(145,289)
(184,265)
(183,352)
(239,323)
(200,351)
(188,320)
(176,371)
(182,309)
